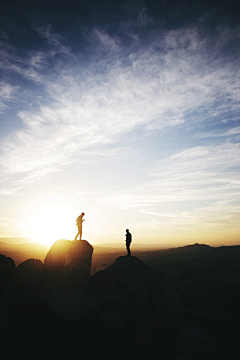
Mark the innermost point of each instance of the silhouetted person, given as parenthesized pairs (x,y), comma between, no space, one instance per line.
(79,222)
(128,241)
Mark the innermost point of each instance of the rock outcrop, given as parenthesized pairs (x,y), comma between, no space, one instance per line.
(126,311)
(142,310)
(68,265)
(7,266)
(29,273)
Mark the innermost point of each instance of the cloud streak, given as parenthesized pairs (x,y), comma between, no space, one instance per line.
(191,180)
(6,94)
(198,173)
(167,83)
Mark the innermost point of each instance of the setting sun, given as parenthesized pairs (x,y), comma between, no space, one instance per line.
(50,223)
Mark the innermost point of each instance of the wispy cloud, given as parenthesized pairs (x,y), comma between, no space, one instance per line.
(6,93)
(13,226)
(107,41)
(196,176)
(53,39)
(234,131)
(9,192)
(198,173)
(167,83)
(215,218)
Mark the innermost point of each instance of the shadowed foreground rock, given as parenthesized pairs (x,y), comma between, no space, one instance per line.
(127,311)
(142,310)
(68,265)
(29,273)
(7,266)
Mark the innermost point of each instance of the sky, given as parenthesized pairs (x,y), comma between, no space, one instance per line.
(125,110)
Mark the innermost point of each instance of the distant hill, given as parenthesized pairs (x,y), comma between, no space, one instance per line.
(23,246)
(4,245)
(20,252)
(15,240)
(135,245)
(196,246)
(193,248)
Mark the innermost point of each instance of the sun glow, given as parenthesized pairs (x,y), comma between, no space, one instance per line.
(50,223)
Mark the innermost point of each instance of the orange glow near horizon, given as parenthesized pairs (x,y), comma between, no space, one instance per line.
(52,217)
(50,223)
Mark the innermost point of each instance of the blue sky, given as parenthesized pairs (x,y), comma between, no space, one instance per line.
(127,111)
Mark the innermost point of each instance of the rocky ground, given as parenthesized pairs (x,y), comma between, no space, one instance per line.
(204,336)
(37,304)
(54,310)
(213,297)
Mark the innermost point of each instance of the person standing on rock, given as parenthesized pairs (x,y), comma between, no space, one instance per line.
(128,241)
(79,223)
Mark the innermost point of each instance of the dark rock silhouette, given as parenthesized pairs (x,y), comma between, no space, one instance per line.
(10,347)
(29,273)
(7,266)
(68,265)
(126,311)
(143,311)
(77,344)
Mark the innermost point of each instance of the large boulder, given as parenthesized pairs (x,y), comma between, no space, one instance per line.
(29,273)
(7,266)
(68,265)
(142,310)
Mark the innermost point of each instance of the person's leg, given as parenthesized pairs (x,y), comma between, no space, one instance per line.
(76,236)
(128,249)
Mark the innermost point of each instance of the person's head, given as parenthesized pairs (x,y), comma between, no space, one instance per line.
(82,213)
(127,230)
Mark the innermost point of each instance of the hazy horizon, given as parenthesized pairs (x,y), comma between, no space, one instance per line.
(125,110)
(112,244)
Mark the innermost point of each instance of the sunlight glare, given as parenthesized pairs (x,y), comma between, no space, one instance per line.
(50,223)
